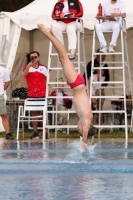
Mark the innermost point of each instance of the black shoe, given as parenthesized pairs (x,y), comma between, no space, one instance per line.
(34,136)
(91,132)
(41,135)
(9,136)
(64,131)
(46,137)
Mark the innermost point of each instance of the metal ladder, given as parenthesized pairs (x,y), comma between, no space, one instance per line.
(58,70)
(120,66)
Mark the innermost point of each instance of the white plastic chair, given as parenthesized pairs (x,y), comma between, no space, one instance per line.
(32,104)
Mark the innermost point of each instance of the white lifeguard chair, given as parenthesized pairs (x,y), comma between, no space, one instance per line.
(58,70)
(121,66)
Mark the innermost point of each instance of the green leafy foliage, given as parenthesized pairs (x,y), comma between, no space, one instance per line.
(75,135)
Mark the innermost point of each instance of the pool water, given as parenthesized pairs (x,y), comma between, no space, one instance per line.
(60,171)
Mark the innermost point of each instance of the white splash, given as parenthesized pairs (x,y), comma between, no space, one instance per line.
(87,148)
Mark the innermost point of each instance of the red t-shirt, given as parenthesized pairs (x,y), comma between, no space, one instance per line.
(36,81)
(53,93)
(72,9)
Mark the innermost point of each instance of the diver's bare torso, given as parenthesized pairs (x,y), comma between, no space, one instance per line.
(80,102)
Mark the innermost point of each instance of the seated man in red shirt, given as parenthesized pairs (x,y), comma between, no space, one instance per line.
(36,77)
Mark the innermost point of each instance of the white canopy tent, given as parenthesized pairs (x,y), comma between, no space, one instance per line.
(19,35)
(40,11)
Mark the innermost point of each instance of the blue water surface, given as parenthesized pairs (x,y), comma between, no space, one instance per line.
(60,171)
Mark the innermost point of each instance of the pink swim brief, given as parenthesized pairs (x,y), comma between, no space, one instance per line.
(79,81)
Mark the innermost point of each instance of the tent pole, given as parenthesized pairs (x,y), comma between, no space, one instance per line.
(31,40)
(13,50)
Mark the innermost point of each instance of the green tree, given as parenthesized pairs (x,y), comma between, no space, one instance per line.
(13,5)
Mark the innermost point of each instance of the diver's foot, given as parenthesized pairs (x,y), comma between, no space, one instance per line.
(46,30)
